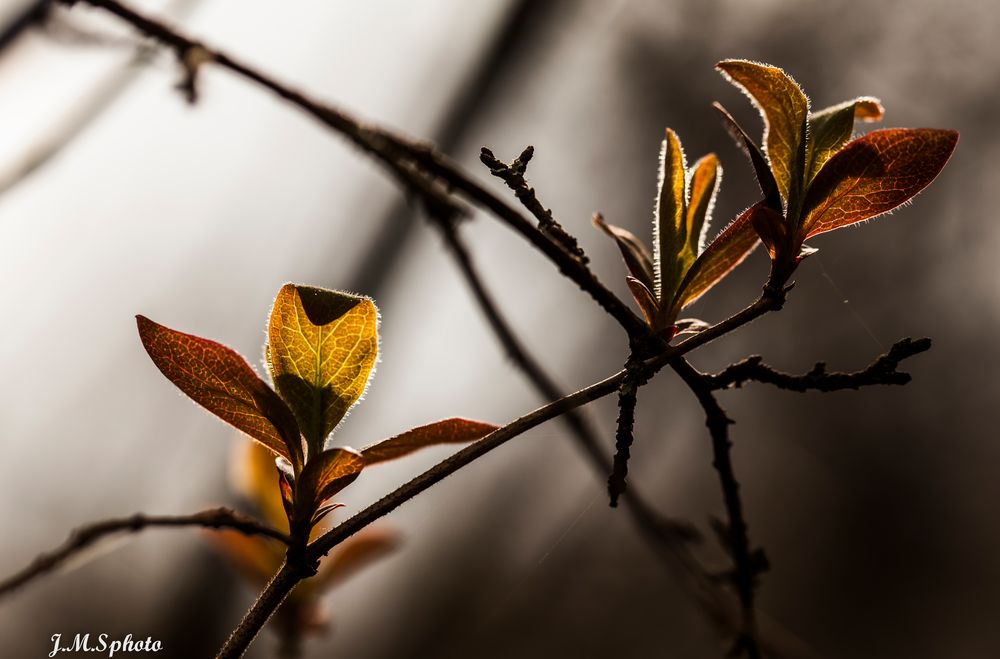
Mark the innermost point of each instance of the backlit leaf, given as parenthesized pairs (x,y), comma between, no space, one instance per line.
(723,254)
(706,176)
(324,475)
(322,346)
(784,108)
(448,431)
(765,179)
(874,174)
(832,127)
(257,478)
(668,220)
(637,258)
(354,554)
(222,382)
(644,298)
(255,557)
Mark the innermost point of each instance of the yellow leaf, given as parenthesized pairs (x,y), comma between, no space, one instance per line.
(668,221)
(322,347)
(784,108)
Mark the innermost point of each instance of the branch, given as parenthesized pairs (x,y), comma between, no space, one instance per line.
(417,166)
(264,607)
(882,371)
(85,536)
(747,564)
(513,176)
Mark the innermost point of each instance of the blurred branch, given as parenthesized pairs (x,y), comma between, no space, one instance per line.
(84,111)
(882,371)
(417,166)
(747,563)
(85,536)
(33,15)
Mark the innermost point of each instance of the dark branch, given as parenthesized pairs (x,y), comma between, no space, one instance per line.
(85,536)
(513,176)
(33,15)
(747,564)
(883,371)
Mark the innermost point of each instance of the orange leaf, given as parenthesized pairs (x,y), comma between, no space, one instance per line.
(784,108)
(706,176)
(637,258)
(873,175)
(256,557)
(354,554)
(324,475)
(723,254)
(222,382)
(448,431)
(668,219)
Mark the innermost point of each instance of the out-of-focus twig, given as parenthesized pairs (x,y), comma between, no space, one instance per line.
(747,563)
(419,167)
(85,536)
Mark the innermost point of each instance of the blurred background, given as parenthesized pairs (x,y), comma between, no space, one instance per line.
(876,508)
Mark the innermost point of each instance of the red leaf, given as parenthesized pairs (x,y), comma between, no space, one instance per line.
(448,431)
(221,381)
(644,298)
(324,475)
(873,175)
(722,255)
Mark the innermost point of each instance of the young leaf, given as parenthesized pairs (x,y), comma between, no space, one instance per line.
(637,257)
(873,175)
(706,177)
(324,475)
(448,431)
(322,346)
(222,382)
(784,108)
(723,254)
(765,179)
(668,219)
(832,127)
(644,298)
(354,554)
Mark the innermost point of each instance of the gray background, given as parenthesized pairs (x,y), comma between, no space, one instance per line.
(877,508)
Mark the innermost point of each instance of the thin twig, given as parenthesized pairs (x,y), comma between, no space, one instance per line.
(417,166)
(883,371)
(513,176)
(747,564)
(85,536)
